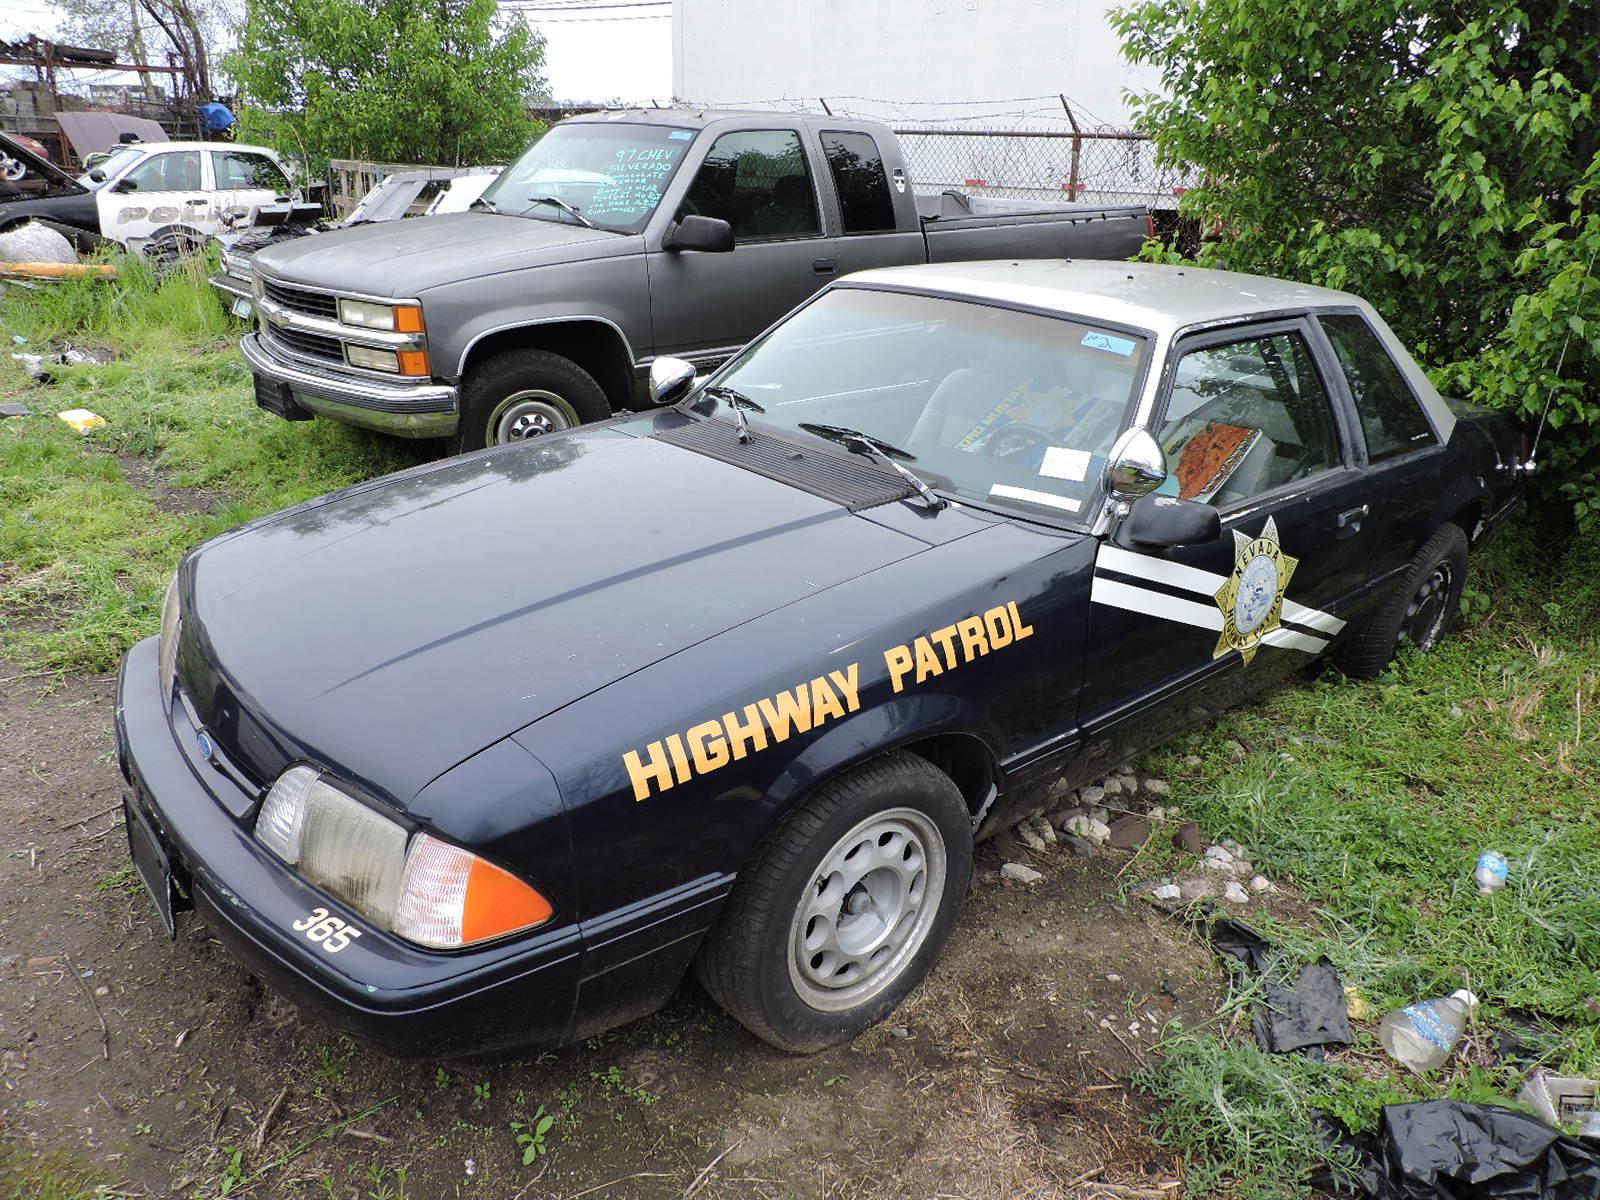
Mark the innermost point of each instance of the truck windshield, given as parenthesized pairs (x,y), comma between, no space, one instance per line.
(613,173)
(1004,409)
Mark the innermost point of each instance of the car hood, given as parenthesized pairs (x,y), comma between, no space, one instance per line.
(393,630)
(41,179)
(407,257)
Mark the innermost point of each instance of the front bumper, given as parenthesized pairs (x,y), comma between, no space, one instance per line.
(232,287)
(410,1002)
(420,410)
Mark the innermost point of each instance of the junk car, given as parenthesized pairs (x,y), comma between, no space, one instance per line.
(458,779)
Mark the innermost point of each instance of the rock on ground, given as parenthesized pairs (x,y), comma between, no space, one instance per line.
(1234,893)
(1020,873)
(34,242)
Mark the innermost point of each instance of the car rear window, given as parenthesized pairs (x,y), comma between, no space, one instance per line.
(1392,420)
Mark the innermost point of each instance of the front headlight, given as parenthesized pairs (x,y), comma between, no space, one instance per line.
(436,895)
(391,318)
(167,647)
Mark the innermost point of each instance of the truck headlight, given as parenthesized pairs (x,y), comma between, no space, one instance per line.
(436,895)
(167,647)
(391,318)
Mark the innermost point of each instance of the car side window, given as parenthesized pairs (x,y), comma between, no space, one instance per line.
(177,171)
(238,169)
(864,197)
(1246,417)
(759,184)
(1392,419)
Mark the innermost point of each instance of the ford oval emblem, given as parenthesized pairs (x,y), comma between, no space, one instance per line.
(203,741)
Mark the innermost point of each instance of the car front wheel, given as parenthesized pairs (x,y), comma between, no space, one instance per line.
(846,908)
(1418,612)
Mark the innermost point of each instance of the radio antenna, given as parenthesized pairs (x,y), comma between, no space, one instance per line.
(1533,454)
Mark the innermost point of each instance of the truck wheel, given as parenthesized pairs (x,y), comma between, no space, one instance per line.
(1419,611)
(524,394)
(846,907)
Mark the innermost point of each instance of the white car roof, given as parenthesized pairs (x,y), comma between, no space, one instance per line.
(157,147)
(1150,296)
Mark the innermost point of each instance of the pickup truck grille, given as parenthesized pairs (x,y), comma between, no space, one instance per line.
(313,344)
(312,304)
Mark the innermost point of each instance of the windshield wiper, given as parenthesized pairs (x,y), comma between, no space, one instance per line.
(882,451)
(486,205)
(737,401)
(558,202)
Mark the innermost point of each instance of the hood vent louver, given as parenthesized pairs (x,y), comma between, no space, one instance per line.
(855,485)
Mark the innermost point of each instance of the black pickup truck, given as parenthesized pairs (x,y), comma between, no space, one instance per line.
(616,238)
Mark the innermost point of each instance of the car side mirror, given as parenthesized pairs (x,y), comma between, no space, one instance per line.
(124,185)
(670,380)
(710,234)
(1135,467)
(97,176)
(1156,522)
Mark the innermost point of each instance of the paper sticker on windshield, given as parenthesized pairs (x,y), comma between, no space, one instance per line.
(1004,491)
(680,135)
(1105,341)
(1063,462)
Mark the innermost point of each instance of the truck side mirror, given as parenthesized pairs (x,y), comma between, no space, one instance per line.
(97,176)
(124,185)
(710,234)
(1156,522)
(670,380)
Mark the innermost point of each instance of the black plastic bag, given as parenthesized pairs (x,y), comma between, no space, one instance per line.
(1313,1013)
(1449,1150)
(1238,941)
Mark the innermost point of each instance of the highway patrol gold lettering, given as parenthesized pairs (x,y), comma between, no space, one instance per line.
(712,745)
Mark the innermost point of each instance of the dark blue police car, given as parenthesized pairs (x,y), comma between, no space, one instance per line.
(492,751)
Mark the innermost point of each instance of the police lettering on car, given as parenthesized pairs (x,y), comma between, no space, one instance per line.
(458,778)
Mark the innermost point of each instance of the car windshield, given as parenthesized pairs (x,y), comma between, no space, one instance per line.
(613,173)
(1005,409)
(113,162)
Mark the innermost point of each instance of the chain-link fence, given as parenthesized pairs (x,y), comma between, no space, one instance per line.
(1095,168)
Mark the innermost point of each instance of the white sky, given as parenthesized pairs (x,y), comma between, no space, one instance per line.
(589,57)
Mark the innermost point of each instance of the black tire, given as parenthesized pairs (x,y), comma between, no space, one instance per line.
(1420,609)
(554,392)
(745,962)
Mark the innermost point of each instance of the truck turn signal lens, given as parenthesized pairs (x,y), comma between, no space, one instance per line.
(414,362)
(451,897)
(408,318)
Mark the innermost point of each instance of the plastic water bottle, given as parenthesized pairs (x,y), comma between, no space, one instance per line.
(1422,1035)
(1490,873)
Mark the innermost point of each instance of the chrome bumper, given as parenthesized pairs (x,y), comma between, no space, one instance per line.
(419,410)
(232,285)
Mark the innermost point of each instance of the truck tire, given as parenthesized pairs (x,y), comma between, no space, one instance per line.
(1419,610)
(845,908)
(522,394)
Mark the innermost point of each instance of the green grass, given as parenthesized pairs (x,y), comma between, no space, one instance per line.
(85,554)
(26,1175)
(1374,800)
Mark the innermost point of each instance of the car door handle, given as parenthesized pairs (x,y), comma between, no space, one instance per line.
(824,266)
(193,203)
(1351,518)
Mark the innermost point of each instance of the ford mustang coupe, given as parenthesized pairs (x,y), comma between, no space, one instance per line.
(490,752)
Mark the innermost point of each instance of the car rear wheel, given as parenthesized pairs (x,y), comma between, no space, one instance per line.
(525,394)
(846,907)
(1418,612)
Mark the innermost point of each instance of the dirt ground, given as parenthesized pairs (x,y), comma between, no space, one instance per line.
(170,1069)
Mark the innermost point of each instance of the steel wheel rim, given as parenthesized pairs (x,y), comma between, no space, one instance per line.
(530,413)
(867,909)
(1425,615)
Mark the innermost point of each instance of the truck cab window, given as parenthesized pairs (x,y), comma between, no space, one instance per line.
(758,183)
(1245,418)
(857,167)
(1391,419)
(178,171)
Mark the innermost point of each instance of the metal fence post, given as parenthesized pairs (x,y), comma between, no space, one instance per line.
(1077,149)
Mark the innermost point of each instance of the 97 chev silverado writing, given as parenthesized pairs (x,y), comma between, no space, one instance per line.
(712,745)
(942,537)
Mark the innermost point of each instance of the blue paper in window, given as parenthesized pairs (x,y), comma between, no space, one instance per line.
(1105,341)
(680,135)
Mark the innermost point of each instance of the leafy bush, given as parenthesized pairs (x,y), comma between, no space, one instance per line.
(1446,169)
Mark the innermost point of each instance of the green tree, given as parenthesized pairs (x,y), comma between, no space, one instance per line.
(421,81)
(1441,160)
